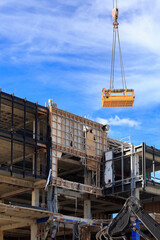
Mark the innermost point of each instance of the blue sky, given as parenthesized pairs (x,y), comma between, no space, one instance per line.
(61,49)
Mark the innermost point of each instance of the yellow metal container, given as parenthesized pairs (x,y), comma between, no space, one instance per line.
(117,97)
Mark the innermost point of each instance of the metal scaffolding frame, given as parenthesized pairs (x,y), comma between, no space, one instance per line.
(21,135)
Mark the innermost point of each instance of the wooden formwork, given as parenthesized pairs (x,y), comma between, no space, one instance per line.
(78,136)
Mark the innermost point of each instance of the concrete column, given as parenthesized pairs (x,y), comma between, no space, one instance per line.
(87,209)
(38,163)
(133,166)
(137,165)
(38,130)
(34,129)
(34,229)
(35,202)
(33,163)
(87,201)
(35,197)
(137,193)
(55,156)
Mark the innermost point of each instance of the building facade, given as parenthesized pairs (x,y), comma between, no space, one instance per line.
(62,176)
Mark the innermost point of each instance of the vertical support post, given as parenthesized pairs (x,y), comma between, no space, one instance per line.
(34,229)
(11,167)
(103,168)
(87,201)
(35,197)
(153,165)
(55,156)
(24,140)
(133,176)
(87,208)
(44,163)
(39,163)
(36,122)
(122,166)
(34,129)
(35,202)
(33,163)
(49,141)
(38,130)
(1,235)
(144,165)
(137,165)
(137,193)
(54,164)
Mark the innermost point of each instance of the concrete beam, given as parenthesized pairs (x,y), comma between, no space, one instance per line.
(13,226)
(153,190)
(16,182)
(70,161)
(69,193)
(16,219)
(15,192)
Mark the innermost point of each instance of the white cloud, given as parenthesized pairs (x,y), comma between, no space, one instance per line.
(117,121)
(74,27)
(79,34)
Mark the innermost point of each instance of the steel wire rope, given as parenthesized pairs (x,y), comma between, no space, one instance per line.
(116,35)
(114,57)
(121,62)
(116,4)
(113,60)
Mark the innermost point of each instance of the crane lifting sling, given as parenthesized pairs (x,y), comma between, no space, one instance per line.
(117,97)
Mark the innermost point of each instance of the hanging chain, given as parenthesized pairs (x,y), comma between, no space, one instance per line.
(116,35)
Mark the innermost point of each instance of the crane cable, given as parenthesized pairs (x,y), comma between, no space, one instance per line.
(113,4)
(115,36)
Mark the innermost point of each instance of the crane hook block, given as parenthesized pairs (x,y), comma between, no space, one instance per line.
(115,13)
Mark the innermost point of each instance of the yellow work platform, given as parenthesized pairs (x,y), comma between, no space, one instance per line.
(117,97)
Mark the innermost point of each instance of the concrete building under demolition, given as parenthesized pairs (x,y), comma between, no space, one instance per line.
(63,177)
